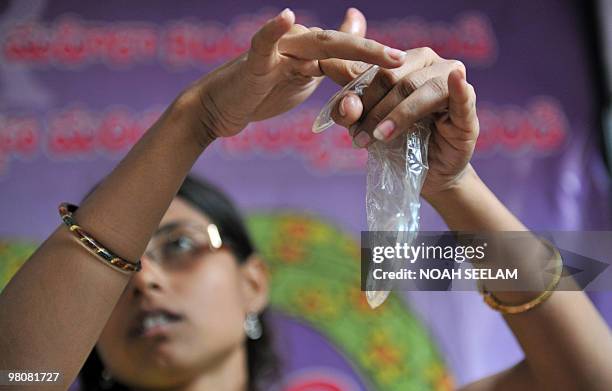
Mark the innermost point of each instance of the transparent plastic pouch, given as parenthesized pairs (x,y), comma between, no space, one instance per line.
(395,174)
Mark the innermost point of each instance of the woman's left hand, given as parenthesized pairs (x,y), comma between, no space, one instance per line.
(426,85)
(283,67)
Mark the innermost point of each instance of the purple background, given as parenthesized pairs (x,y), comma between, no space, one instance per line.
(539,53)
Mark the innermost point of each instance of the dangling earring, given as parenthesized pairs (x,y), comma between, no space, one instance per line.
(107,381)
(252,326)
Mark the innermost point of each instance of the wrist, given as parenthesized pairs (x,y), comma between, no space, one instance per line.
(460,187)
(188,108)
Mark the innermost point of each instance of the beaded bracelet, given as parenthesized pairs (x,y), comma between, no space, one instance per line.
(494,303)
(66,211)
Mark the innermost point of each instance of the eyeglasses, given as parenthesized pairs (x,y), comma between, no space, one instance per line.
(179,243)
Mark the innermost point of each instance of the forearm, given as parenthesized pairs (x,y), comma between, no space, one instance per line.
(55,307)
(127,206)
(567,344)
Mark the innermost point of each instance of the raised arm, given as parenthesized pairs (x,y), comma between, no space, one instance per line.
(566,343)
(56,306)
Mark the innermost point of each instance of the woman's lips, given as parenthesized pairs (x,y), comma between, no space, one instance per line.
(153,323)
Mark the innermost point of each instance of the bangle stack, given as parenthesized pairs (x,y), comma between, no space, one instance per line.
(494,303)
(66,211)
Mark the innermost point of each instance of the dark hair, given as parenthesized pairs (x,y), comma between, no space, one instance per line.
(262,362)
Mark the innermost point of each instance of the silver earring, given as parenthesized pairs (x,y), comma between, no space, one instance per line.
(107,381)
(252,326)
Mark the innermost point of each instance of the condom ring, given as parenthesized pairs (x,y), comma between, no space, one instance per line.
(357,86)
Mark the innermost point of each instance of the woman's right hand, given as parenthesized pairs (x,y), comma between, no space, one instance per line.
(280,70)
(425,86)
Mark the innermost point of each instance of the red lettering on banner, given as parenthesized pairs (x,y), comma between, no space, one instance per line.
(303,139)
(475,39)
(540,128)
(68,46)
(26,43)
(78,132)
(490,126)
(115,131)
(517,132)
(130,44)
(184,42)
(549,123)
(271,139)
(72,42)
(291,134)
(19,138)
(238,146)
(469,38)
(71,133)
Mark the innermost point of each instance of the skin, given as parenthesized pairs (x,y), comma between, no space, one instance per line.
(206,348)
(567,345)
(425,85)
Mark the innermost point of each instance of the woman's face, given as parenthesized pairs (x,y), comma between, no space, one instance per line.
(174,322)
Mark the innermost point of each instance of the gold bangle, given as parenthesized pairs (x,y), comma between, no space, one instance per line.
(108,257)
(494,303)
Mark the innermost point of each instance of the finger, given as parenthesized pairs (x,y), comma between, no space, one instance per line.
(343,71)
(348,111)
(354,23)
(263,53)
(307,68)
(299,29)
(430,98)
(402,89)
(319,45)
(462,103)
(416,79)
(386,79)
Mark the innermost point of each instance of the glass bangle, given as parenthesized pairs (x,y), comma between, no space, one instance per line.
(495,304)
(66,211)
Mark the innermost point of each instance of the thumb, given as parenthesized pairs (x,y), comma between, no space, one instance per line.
(343,71)
(354,23)
(462,103)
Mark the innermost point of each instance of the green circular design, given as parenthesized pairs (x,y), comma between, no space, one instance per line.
(13,254)
(315,277)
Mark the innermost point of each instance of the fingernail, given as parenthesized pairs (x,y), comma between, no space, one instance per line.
(384,130)
(395,54)
(362,139)
(350,13)
(285,13)
(349,103)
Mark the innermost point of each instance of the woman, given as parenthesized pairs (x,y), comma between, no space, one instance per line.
(181,325)
(207,281)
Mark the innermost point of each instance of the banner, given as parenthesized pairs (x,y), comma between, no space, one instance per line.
(81,82)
